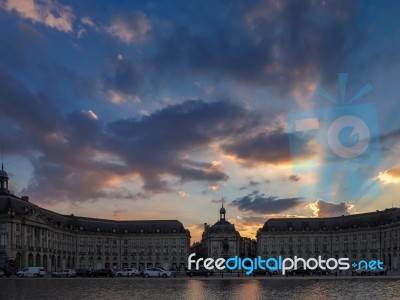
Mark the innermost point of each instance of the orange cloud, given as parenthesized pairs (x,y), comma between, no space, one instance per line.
(391,176)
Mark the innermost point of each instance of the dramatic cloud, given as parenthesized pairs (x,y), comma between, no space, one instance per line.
(130,29)
(261,204)
(80,157)
(49,13)
(327,209)
(285,46)
(391,176)
(157,144)
(269,147)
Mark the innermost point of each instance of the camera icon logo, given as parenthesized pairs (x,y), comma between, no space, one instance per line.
(345,140)
(359,130)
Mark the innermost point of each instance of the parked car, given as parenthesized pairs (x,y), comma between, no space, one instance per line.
(82,272)
(64,273)
(364,271)
(102,272)
(200,272)
(31,272)
(156,272)
(128,272)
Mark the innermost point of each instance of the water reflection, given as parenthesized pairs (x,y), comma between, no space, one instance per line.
(195,290)
(250,290)
(199,289)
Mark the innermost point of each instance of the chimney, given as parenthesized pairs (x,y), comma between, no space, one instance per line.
(25,198)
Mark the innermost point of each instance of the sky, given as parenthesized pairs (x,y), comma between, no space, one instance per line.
(165,109)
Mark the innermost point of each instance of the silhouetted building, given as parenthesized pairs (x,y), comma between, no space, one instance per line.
(248,247)
(39,237)
(219,240)
(362,236)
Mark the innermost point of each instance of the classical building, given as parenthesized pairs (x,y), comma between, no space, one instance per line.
(363,236)
(35,236)
(219,240)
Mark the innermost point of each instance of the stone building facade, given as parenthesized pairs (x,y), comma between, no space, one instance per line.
(35,236)
(219,240)
(362,236)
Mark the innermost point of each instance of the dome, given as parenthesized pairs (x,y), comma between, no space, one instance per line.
(222,226)
(222,210)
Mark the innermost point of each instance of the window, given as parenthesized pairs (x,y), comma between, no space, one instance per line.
(3,239)
(364,246)
(355,246)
